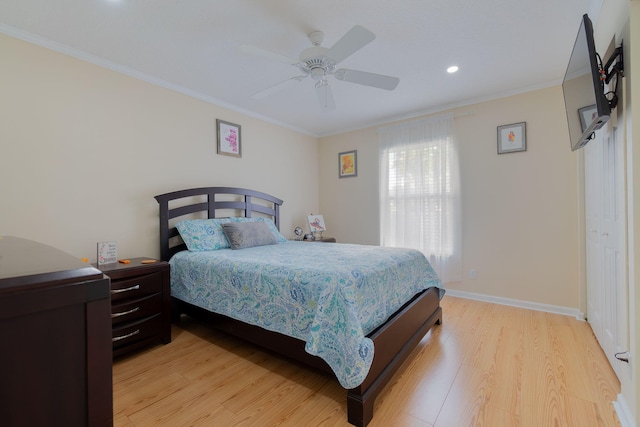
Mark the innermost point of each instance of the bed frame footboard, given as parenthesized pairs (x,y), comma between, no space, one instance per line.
(394,341)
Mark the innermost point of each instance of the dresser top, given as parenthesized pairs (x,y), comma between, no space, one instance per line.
(26,263)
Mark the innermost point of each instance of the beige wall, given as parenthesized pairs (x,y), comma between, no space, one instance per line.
(83,150)
(520,210)
(350,205)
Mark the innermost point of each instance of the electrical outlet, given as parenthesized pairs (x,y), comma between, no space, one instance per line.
(473,274)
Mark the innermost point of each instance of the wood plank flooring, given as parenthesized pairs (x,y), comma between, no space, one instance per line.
(486,365)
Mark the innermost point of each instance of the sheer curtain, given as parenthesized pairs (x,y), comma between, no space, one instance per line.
(420,192)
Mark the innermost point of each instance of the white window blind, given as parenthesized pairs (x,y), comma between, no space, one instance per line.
(420,192)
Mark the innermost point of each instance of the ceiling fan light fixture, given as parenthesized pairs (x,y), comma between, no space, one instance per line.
(317,74)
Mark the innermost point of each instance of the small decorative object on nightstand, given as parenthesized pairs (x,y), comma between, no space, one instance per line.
(299,233)
(140,303)
(316,225)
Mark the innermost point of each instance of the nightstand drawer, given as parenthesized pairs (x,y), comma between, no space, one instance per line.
(136,287)
(135,331)
(140,303)
(130,310)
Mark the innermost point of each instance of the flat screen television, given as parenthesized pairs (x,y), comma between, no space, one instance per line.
(584,93)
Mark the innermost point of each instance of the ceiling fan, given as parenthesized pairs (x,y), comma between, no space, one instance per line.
(320,62)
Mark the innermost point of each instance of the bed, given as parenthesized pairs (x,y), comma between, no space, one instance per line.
(305,322)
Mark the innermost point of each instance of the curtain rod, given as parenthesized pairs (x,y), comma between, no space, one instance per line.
(455,116)
(465,114)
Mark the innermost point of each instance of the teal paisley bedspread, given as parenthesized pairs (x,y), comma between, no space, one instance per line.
(329,295)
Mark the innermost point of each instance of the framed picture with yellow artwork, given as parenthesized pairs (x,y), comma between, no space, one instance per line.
(348,164)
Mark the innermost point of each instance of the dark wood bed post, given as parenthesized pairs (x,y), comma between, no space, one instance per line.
(394,340)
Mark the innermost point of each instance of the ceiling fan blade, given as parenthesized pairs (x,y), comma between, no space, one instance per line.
(325,96)
(355,39)
(368,79)
(256,51)
(277,87)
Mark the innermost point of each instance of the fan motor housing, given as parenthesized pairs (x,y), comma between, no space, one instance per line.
(317,65)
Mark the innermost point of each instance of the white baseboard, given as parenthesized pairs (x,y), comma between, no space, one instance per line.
(518,303)
(624,413)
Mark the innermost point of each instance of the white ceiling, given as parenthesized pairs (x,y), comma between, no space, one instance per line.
(501,46)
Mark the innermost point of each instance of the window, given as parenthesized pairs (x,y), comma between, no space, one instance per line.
(419,192)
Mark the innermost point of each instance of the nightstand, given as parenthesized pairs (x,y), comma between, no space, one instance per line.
(140,304)
(324,239)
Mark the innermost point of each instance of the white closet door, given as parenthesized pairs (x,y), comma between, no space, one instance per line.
(606,248)
(593,219)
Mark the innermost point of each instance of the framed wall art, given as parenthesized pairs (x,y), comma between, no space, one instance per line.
(348,164)
(229,139)
(587,114)
(512,138)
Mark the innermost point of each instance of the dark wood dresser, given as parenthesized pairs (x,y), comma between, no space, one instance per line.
(55,329)
(140,304)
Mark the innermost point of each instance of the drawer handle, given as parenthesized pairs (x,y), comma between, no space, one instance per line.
(133,288)
(114,339)
(124,313)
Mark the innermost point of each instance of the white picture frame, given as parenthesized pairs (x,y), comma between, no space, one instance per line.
(316,224)
(107,252)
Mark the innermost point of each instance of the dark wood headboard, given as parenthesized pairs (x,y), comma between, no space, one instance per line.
(204,203)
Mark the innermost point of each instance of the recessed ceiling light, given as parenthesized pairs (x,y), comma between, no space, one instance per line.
(452,69)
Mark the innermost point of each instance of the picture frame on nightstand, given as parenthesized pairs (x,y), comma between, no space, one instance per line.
(316,225)
(107,252)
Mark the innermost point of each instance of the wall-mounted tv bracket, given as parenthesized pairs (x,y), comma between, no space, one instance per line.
(609,72)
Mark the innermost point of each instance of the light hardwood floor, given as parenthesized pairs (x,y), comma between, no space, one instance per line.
(486,365)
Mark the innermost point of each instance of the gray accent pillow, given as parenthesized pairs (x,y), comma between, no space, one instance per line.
(243,235)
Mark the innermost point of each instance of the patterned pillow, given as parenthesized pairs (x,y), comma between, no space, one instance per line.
(272,226)
(248,234)
(203,234)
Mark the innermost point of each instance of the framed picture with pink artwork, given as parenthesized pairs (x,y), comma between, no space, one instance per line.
(316,225)
(229,141)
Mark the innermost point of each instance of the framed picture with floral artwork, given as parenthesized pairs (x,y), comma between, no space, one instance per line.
(512,138)
(229,141)
(348,164)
